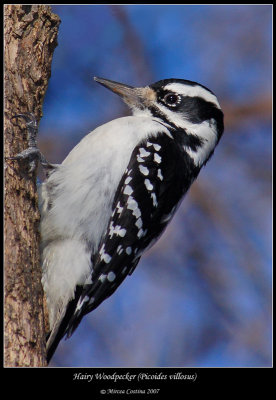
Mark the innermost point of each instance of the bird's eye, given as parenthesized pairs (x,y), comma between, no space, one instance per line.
(172,99)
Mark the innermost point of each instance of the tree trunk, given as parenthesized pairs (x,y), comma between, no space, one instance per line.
(30,38)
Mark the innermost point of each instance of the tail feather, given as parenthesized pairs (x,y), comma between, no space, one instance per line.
(60,327)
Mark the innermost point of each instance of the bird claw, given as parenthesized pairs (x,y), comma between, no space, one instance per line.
(32,154)
(29,155)
(28,116)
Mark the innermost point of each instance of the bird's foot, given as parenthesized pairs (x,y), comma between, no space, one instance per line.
(32,154)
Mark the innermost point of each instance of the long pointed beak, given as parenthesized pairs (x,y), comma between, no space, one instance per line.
(116,87)
(134,97)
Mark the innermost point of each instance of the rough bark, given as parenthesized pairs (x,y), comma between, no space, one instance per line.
(30,38)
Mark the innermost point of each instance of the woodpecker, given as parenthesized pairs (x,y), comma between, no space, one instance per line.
(116,191)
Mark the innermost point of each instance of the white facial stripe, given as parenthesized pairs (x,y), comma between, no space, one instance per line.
(172,116)
(192,91)
(206,132)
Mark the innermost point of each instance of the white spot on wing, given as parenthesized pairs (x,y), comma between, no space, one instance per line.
(102,277)
(148,184)
(157,158)
(159,174)
(128,190)
(106,258)
(143,152)
(102,249)
(139,159)
(111,276)
(120,209)
(156,146)
(91,301)
(154,200)
(119,249)
(131,203)
(86,298)
(128,250)
(136,212)
(133,206)
(122,232)
(143,170)
(80,303)
(141,233)
(139,223)
(118,230)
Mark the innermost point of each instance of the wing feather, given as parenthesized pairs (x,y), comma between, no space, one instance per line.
(144,203)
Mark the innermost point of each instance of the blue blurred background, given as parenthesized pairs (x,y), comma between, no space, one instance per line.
(201,297)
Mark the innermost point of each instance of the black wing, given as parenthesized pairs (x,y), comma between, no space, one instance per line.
(157,176)
(152,186)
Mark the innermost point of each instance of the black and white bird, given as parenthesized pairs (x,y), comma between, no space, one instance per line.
(117,190)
